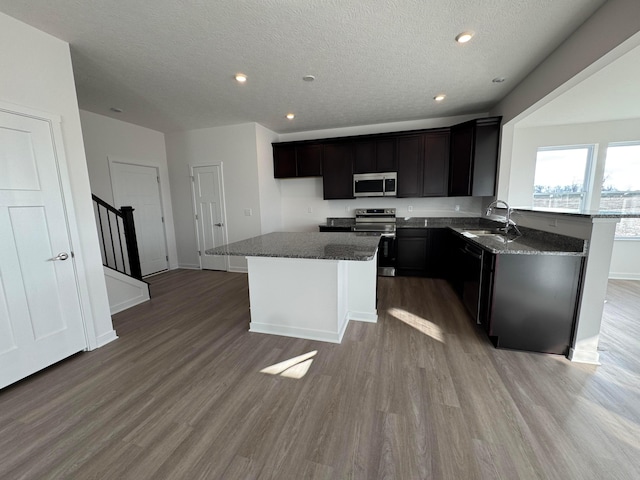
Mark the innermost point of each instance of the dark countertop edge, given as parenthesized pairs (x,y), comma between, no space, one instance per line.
(299,257)
(243,248)
(477,241)
(588,214)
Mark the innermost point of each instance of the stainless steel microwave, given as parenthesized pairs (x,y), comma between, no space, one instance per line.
(375,184)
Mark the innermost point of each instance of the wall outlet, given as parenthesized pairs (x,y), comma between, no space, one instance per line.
(346,209)
(309,209)
(457,208)
(553,223)
(410,208)
(248,212)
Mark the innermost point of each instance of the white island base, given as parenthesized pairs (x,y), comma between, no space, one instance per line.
(309,298)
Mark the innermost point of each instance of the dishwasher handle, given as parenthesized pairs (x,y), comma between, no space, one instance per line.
(469,250)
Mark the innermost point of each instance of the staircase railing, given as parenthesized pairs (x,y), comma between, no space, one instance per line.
(117,232)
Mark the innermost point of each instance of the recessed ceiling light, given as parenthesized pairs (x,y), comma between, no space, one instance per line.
(439,98)
(241,77)
(308,78)
(464,37)
(116,109)
(290,116)
(498,80)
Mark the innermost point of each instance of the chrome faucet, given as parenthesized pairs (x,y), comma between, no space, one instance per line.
(508,222)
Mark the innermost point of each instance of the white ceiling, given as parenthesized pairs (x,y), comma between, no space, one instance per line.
(170,64)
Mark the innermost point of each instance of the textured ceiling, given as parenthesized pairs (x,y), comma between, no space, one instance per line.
(170,64)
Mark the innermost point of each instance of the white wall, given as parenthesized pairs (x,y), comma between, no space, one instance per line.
(235,146)
(270,196)
(626,253)
(107,138)
(36,72)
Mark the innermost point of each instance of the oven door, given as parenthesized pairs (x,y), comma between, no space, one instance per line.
(387,255)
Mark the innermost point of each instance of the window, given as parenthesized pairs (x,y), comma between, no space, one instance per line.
(621,185)
(562,177)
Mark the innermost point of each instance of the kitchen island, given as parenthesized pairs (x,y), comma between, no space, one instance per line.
(309,284)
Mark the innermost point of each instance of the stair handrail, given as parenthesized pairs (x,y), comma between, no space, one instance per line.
(132,258)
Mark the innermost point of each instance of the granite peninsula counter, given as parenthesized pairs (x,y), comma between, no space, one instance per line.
(309,284)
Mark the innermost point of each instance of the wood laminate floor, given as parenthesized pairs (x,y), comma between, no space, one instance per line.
(187,392)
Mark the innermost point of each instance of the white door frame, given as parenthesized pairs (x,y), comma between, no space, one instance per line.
(194,208)
(55,121)
(141,163)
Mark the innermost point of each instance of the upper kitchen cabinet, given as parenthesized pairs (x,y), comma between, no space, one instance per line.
(284,161)
(375,155)
(297,160)
(474,157)
(337,170)
(410,165)
(435,174)
(423,164)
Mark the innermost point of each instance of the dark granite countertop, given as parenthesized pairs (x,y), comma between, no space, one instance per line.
(312,245)
(531,242)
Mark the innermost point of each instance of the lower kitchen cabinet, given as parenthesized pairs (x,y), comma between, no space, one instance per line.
(523,302)
(531,301)
(412,246)
(418,252)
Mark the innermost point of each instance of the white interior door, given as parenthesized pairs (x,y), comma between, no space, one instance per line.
(139,187)
(207,192)
(40,317)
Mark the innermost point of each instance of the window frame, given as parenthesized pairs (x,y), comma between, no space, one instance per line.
(635,238)
(587,186)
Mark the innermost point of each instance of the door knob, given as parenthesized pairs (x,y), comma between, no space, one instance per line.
(218,224)
(61,256)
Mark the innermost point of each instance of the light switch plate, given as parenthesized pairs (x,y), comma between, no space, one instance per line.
(248,212)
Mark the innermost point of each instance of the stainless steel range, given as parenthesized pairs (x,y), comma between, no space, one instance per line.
(380,220)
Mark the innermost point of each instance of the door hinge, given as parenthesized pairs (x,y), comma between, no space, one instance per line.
(162,219)
(158,179)
(199,254)
(167,257)
(193,179)
(196,216)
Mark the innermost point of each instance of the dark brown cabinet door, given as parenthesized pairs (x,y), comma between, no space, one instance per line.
(309,160)
(375,155)
(412,250)
(485,159)
(436,164)
(337,168)
(410,165)
(460,160)
(386,155)
(364,157)
(284,161)
(474,157)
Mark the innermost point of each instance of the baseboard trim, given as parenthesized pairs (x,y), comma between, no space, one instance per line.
(238,270)
(188,266)
(584,356)
(132,302)
(297,332)
(363,317)
(624,276)
(105,338)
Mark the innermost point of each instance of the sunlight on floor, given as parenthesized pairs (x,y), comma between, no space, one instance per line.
(296,367)
(421,324)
